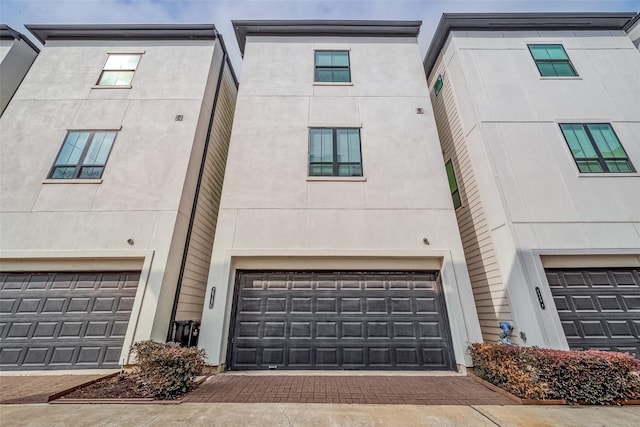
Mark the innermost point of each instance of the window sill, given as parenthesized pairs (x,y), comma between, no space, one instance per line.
(333,83)
(608,175)
(111,87)
(337,178)
(560,78)
(72,181)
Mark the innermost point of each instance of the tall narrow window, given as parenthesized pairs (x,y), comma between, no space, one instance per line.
(438,86)
(83,155)
(552,60)
(334,152)
(453,185)
(595,148)
(332,66)
(119,70)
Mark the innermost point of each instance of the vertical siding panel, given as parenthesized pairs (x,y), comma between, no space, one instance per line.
(486,279)
(194,283)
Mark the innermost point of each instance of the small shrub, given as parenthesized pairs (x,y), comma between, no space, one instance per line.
(595,377)
(167,371)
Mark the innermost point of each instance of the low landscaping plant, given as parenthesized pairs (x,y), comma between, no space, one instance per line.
(167,371)
(594,377)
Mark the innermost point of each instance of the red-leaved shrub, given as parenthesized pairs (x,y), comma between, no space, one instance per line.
(595,377)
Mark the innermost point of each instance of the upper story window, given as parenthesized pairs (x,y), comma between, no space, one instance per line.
(83,155)
(334,152)
(438,86)
(596,148)
(332,66)
(119,70)
(552,60)
(453,185)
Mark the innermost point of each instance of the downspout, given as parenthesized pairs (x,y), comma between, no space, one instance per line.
(174,310)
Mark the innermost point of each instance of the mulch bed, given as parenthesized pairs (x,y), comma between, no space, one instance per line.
(127,386)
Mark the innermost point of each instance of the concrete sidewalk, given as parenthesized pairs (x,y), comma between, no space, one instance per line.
(307,414)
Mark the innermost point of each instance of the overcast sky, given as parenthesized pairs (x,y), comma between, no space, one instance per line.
(16,13)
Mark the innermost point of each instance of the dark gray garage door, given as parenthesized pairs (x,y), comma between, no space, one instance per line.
(599,308)
(64,320)
(339,320)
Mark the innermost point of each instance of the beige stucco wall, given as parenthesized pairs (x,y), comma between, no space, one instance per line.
(145,191)
(535,199)
(271,209)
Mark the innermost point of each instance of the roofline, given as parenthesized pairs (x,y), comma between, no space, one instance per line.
(631,23)
(6,32)
(328,28)
(520,22)
(228,59)
(123,32)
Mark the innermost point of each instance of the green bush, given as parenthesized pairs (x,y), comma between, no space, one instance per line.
(595,377)
(167,371)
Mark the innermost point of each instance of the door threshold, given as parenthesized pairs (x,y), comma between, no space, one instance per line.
(335,373)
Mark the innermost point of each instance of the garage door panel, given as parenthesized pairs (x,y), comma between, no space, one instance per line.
(276,305)
(622,329)
(326,356)
(351,305)
(339,320)
(426,305)
(404,330)
(19,330)
(562,303)
(65,320)
(45,330)
(300,330)
(274,330)
(326,330)
(609,303)
(300,357)
(625,278)
(598,308)
(376,305)
(631,302)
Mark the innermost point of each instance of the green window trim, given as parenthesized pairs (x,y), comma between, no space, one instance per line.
(438,86)
(552,60)
(595,148)
(335,152)
(453,184)
(332,66)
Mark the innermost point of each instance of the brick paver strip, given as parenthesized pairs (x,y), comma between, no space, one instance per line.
(419,390)
(37,389)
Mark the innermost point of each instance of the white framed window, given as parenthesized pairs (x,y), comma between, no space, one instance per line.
(119,69)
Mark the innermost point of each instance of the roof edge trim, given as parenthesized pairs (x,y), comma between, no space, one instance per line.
(123,32)
(520,22)
(323,28)
(6,32)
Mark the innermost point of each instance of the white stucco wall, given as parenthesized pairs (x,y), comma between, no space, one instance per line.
(270,208)
(146,190)
(536,199)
